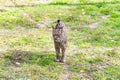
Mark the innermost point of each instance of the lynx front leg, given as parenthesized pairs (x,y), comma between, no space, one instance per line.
(63,55)
(57,49)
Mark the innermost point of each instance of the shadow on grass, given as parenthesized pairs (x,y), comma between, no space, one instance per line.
(85,3)
(40,58)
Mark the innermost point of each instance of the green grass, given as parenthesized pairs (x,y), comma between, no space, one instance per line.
(110,73)
(27,50)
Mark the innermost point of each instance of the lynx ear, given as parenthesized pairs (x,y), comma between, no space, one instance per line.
(58,21)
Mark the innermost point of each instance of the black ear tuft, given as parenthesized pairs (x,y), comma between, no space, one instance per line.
(58,20)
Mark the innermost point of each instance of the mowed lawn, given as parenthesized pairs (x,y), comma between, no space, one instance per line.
(27,48)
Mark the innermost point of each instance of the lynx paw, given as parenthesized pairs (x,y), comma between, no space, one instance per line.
(56,60)
(62,61)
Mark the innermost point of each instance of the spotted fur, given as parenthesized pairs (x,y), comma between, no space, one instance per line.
(60,40)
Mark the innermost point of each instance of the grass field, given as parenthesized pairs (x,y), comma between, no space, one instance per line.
(26,44)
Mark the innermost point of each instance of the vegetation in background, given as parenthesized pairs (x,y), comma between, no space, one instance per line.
(26,44)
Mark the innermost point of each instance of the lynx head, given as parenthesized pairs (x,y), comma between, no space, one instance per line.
(59,24)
